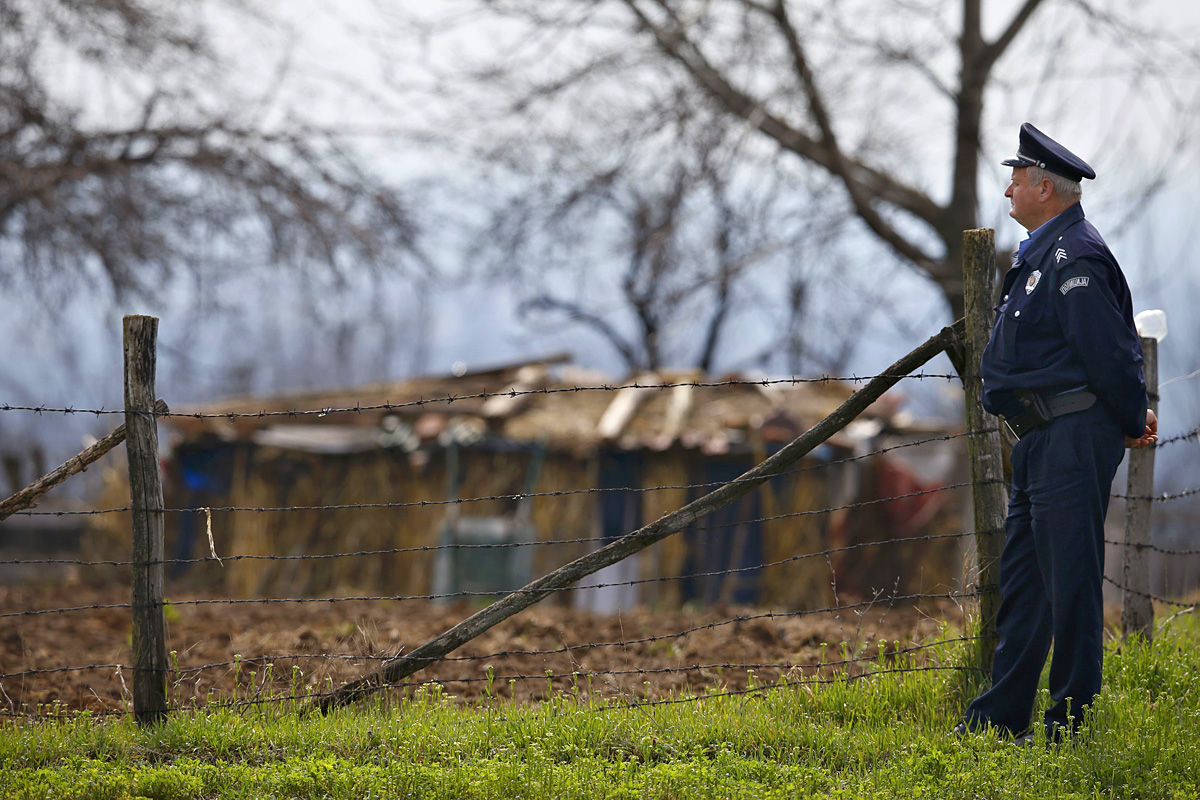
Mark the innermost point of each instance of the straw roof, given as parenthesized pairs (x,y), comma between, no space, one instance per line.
(530,401)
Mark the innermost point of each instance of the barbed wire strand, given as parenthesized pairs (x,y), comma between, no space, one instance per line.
(674,634)
(1158,498)
(1153,548)
(68,713)
(1156,598)
(208,510)
(1194,433)
(465,594)
(699,528)
(450,399)
(789,684)
(1162,497)
(514,496)
(267,659)
(574,675)
(581,540)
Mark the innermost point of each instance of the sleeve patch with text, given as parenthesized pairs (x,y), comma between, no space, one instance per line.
(1071,284)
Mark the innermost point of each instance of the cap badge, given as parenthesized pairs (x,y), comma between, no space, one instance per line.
(1032,283)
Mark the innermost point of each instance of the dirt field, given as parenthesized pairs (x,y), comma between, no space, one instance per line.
(226,652)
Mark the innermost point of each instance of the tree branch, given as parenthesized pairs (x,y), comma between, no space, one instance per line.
(993,51)
(839,163)
(728,269)
(677,46)
(577,313)
(131,201)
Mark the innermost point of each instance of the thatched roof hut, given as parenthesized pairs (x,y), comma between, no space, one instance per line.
(600,460)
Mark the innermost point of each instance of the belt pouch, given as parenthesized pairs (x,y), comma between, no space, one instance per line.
(1034,409)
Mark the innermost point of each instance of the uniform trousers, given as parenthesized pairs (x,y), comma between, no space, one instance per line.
(1051,573)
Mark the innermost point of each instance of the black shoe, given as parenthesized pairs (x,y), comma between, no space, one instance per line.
(1058,735)
(1024,739)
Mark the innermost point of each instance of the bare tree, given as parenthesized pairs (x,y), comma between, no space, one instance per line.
(694,238)
(171,163)
(874,113)
(149,157)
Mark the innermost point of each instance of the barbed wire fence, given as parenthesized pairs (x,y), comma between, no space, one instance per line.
(562,665)
(676,657)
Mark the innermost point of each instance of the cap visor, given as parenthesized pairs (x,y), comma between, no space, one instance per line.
(1017,161)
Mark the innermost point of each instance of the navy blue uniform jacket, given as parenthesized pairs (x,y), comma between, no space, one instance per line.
(1066,320)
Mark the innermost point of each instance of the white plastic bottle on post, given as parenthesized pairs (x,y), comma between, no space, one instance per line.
(1151,324)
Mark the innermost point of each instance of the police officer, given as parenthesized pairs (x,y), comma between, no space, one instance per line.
(1063,370)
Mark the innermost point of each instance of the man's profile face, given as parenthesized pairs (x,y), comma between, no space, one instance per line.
(1024,197)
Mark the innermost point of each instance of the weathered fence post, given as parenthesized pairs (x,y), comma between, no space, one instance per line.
(983,449)
(146,499)
(1137,610)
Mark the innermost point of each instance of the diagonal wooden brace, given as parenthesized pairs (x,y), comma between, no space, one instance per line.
(400,667)
(27,497)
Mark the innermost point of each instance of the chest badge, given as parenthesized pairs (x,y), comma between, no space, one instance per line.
(1032,283)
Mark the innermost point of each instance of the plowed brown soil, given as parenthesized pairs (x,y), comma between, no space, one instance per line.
(249,652)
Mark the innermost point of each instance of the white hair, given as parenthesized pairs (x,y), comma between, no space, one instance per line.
(1066,189)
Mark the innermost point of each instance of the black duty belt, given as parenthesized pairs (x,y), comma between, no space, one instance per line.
(1039,410)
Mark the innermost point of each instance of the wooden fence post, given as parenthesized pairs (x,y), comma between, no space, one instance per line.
(146,499)
(987,467)
(1137,609)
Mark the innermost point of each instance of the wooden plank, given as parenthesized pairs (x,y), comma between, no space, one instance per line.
(1137,609)
(502,406)
(146,498)
(624,405)
(400,667)
(27,497)
(678,412)
(988,494)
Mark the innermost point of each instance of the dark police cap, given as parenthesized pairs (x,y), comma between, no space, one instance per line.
(1039,150)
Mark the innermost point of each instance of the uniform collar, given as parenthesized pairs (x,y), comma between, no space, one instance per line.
(1040,240)
(1031,237)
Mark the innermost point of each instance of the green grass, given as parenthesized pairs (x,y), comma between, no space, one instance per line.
(880,737)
